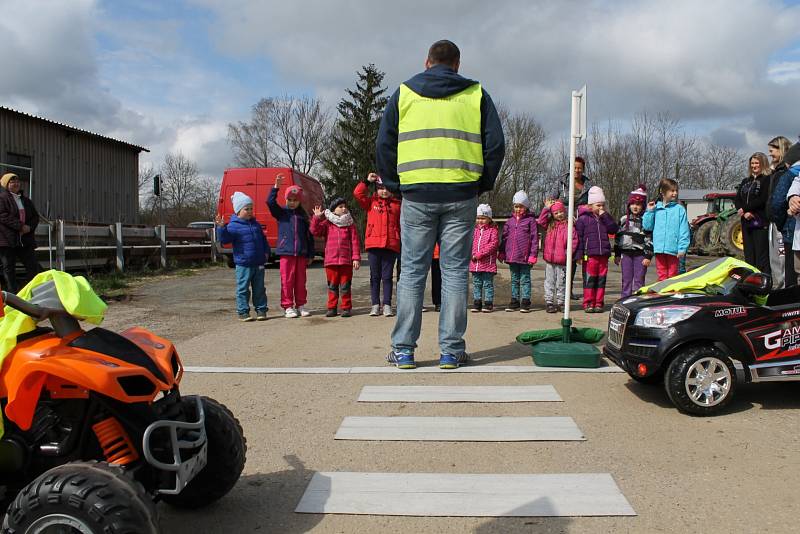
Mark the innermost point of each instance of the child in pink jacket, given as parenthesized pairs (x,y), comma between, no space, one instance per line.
(342,252)
(553,219)
(485,242)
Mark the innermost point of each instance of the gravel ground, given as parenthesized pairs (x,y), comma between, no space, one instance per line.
(679,473)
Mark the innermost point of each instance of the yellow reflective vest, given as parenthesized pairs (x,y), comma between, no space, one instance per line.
(439,139)
(711,274)
(76,297)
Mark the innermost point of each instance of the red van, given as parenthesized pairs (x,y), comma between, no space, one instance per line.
(257,183)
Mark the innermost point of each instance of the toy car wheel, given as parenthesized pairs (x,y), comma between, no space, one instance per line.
(700,380)
(226,456)
(85,498)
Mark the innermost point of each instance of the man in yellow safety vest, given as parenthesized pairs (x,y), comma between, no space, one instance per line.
(440,145)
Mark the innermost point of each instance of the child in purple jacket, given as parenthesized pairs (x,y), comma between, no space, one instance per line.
(519,247)
(594,248)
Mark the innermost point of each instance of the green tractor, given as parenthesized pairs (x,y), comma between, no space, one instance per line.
(719,231)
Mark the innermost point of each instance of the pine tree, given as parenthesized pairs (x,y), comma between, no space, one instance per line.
(351,152)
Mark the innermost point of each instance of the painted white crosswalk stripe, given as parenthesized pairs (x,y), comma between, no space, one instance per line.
(391,370)
(464,495)
(543,393)
(459,429)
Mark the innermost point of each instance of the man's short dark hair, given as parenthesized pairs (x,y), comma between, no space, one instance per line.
(444,52)
(579,159)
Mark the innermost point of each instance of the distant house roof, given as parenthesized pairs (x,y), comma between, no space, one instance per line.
(74,129)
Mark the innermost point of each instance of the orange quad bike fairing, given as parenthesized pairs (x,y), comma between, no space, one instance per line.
(47,361)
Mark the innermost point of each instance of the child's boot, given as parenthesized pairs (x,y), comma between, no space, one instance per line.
(513,305)
(488,306)
(476,305)
(551,308)
(331,312)
(347,313)
(525,307)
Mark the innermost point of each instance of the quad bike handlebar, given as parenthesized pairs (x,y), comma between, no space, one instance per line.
(63,323)
(28,308)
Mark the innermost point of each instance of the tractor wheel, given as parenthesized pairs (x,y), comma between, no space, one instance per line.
(730,234)
(226,456)
(85,497)
(702,237)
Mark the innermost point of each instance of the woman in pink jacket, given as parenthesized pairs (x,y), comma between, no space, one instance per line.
(485,242)
(342,252)
(553,219)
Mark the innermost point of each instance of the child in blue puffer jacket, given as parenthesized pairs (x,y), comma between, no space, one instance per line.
(250,253)
(670,226)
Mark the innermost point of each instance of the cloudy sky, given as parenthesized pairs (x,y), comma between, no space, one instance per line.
(171,75)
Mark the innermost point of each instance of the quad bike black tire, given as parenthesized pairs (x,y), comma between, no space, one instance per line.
(88,496)
(227,447)
(702,237)
(700,380)
(730,236)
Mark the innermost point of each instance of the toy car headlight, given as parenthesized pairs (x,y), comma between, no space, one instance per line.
(664,316)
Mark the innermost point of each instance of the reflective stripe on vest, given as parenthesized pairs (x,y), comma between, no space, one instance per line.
(439,139)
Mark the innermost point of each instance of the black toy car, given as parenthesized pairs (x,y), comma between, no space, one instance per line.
(700,345)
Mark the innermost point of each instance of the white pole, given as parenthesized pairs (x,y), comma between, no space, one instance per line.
(573,142)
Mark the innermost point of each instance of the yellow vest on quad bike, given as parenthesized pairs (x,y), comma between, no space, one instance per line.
(76,296)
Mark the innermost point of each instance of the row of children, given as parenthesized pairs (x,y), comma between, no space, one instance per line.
(648,228)
(296,231)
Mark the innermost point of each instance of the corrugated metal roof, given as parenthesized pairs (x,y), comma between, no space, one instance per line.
(73,128)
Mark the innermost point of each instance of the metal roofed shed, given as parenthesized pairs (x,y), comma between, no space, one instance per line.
(71,173)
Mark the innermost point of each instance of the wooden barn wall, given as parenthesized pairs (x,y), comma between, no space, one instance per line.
(76,176)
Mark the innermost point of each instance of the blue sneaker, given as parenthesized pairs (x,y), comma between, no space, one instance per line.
(402,359)
(451,361)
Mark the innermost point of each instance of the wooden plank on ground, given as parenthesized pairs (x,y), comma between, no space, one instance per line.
(459,429)
(544,393)
(464,495)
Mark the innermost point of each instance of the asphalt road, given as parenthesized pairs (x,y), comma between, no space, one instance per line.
(737,472)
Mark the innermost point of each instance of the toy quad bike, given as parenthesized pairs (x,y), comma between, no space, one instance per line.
(701,344)
(96,431)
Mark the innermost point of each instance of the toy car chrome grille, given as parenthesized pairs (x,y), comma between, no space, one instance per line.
(616,325)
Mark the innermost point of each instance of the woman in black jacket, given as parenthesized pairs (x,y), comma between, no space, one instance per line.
(18,222)
(752,196)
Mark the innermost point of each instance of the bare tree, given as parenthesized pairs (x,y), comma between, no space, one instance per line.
(525,166)
(288,131)
(206,198)
(145,179)
(252,142)
(301,126)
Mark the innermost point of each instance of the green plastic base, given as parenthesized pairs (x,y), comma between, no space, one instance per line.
(558,354)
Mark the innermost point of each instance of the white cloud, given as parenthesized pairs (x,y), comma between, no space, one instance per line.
(699,60)
(784,72)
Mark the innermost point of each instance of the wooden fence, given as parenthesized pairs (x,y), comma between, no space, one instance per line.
(71,246)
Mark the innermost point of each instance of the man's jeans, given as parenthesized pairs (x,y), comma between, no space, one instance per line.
(247,277)
(422,224)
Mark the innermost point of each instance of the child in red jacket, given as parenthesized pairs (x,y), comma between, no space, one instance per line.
(382,239)
(342,252)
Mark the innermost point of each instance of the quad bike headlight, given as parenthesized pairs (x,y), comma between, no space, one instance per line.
(664,316)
